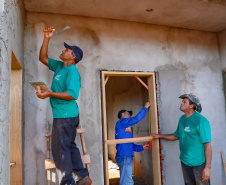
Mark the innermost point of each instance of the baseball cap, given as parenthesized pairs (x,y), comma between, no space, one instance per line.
(194,99)
(77,51)
(122,111)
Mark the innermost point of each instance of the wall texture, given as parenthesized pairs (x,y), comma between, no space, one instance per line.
(11,39)
(222,48)
(222,51)
(126,46)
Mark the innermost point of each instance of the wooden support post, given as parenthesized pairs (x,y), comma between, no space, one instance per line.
(48,141)
(222,156)
(84,151)
(15,125)
(48,153)
(141,81)
(130,140)
(154,130)
(104,113)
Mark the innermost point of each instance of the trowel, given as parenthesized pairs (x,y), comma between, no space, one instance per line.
(59,32)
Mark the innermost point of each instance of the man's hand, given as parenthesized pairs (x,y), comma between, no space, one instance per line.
(43,55)
(48,32)
(170,137)
(44,94)
(155,136)
(147,105)
(206,174)
(147,146)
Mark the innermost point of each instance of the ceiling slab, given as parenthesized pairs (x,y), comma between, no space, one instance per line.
(205,15)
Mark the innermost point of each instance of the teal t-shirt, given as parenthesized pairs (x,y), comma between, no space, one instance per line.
(65,79)
(193,132)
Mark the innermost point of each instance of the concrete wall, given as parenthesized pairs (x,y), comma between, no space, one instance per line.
(222,51)
(169,84)
(126,46)
(222,48)
(11,39)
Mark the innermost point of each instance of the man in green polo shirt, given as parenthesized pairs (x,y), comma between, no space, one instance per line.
(194,134)
(65,89)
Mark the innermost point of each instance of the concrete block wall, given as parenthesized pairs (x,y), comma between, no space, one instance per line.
(11,39)
(188,59)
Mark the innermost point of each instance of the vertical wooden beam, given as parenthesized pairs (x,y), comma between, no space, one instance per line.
(154,129)
(84,150)
(48,153)
(104,128)
(16,127)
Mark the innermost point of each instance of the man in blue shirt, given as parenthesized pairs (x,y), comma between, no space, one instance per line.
(64,91)
(124,155)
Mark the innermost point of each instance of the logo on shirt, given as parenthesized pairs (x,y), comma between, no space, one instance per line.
(187,129)
(128,129)
(57,77)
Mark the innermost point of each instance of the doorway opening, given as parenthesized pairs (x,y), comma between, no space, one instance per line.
(15,143)
(130,91)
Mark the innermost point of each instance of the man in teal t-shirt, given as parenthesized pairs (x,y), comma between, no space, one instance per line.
(65,79)
(65,89)
(194,134)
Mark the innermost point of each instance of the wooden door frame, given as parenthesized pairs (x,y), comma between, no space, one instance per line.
(105,75)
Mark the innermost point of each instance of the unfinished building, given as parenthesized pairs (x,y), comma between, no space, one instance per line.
(180,43)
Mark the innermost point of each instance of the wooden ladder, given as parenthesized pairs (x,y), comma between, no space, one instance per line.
(49,163)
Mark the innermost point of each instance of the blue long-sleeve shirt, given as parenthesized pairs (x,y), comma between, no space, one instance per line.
(123,130)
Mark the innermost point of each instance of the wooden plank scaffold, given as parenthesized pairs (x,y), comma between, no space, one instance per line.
(49,163)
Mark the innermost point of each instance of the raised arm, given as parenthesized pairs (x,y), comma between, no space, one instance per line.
(43,55)
(128,122)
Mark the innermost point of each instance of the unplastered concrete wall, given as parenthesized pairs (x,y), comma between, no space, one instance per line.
(11,39)
(125,46)
(222,48)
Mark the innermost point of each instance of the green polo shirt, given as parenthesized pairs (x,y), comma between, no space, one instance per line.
(193,132)
(65,79)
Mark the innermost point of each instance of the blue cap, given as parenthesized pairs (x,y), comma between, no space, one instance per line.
(77,51)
